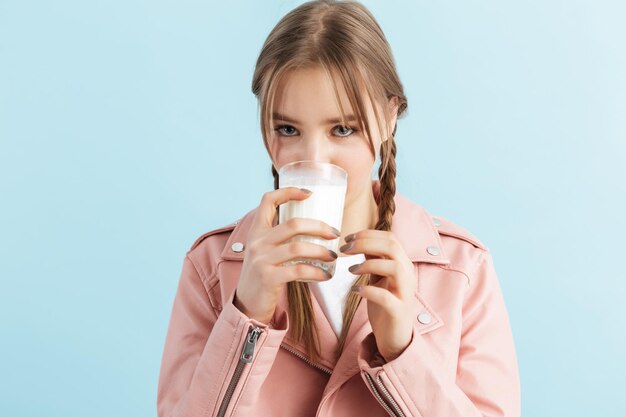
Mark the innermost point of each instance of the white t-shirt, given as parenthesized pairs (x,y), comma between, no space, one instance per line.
(332,294)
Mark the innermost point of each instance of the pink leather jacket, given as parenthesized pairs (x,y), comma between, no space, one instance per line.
(461,360)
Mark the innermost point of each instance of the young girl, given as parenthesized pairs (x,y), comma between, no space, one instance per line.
(412,323)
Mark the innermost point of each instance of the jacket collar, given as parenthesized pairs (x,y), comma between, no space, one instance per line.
(411,224)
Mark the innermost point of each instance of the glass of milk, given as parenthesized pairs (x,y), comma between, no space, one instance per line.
(328,183)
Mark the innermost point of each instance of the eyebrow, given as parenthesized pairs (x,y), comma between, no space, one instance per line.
(278,116)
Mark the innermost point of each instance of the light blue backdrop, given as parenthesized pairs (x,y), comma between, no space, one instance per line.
(117,119)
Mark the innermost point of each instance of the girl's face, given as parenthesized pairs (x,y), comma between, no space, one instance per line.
(307,126)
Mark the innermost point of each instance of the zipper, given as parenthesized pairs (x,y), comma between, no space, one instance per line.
(396,412)
(247,354)
(305,359)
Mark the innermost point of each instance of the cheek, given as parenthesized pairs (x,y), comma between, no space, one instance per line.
(359,167)
(280,154)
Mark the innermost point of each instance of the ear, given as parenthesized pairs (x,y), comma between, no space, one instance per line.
(393,115)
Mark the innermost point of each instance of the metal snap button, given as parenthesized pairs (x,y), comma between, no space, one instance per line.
(424,318)
(433,250)
(237,247)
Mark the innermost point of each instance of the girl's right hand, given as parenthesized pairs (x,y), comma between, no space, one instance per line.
(262,275)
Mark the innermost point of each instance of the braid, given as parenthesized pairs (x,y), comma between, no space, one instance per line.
(387,176)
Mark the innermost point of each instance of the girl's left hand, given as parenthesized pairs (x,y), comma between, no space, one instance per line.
(391,304)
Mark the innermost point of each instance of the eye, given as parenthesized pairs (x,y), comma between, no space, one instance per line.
(282,128)
(347,130)
(339,130)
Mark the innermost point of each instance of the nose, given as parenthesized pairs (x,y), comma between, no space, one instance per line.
(316,148)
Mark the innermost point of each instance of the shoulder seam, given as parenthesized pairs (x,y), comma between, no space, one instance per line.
(474,241)
(204,284)
(468,272)
(481,258)
(460,270)
(210,233)
(195,267)
(449,228)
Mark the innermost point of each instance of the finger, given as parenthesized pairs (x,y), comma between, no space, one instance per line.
(271,200)
(300,226)
(387,268)
(385,248)
(300,271)
(381,297)
(370,233)
(298,249)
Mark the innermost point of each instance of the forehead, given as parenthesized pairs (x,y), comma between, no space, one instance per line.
(307,94)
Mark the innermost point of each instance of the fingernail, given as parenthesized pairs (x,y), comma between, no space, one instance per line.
(354,267)
(346,247)
(333,253)
(304,190)
(356,289)
(336,231)
(350,238)
(328,274)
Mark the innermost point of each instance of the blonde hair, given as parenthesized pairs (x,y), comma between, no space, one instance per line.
(342,38)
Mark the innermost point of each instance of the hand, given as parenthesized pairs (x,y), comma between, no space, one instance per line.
(262,274)
(391,304)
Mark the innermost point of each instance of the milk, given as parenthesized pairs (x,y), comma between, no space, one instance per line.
(325,204)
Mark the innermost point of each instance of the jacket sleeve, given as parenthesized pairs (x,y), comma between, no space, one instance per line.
(487,378)
(204,370)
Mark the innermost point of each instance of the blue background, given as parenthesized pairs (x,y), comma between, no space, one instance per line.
(117,119)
